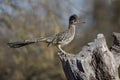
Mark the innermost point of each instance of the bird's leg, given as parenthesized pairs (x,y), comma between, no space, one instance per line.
(59,47)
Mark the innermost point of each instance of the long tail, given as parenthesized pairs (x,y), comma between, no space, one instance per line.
(18,44)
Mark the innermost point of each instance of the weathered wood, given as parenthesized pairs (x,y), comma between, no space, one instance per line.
(115,49)
(95,62)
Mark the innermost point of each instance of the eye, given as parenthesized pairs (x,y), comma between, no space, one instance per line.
(73,19)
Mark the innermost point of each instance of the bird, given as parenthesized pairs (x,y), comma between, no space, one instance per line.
(59,40)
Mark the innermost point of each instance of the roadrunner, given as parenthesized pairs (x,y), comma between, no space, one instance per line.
(59,40)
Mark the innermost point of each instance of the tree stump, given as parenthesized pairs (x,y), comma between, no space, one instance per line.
(95,62)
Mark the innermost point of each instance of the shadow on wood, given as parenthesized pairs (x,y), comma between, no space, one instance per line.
(95,62)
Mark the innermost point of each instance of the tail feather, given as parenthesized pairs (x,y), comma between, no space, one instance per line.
(18,44)
(24,43)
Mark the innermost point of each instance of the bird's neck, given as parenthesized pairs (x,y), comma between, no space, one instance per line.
(72,28)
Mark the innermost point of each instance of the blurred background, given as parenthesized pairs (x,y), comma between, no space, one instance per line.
(27,19)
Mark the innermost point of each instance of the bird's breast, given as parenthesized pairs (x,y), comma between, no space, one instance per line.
(70,36)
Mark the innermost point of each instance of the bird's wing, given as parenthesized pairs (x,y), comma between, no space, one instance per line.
(60,37)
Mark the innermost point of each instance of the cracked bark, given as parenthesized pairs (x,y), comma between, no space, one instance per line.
(94,62)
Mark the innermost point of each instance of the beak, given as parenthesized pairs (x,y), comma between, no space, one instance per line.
(83,22)
(80,21)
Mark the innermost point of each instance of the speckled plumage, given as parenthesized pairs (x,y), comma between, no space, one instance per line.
(60,39)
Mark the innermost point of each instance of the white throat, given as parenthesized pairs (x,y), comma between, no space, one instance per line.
(72,29)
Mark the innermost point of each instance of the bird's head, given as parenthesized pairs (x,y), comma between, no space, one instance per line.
(73,19)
